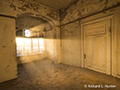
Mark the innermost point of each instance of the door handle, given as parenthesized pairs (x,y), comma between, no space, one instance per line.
(84,56)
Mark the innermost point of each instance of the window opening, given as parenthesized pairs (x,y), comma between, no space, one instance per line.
(27,33)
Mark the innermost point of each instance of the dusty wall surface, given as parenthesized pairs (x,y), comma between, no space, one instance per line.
(18,7)
(8,64)
(71,44)
(50,46)
(53,45)
(77,11)
(58,44)
(117,25)
(84,8)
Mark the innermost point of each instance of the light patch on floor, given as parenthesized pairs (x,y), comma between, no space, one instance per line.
(45,75)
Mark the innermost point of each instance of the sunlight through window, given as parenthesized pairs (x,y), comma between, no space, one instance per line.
(19,44)
(27,33)
(27,46)
(41,44)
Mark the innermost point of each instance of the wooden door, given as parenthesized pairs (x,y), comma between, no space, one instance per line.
(97,46)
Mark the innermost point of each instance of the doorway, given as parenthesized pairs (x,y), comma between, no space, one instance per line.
(96,41)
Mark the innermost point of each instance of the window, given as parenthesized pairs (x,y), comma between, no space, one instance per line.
(28,46)
(35,45)
(19,44)
(31,45)
(27,33)
(41,45)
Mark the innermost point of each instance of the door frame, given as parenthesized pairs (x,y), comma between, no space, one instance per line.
(93,19)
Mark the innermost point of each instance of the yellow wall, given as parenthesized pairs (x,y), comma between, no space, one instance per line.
(8,64)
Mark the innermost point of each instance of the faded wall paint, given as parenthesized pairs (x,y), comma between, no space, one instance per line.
(70,35)
(53,45)
(117,51)
(58,44)
(50,45)
(8,64)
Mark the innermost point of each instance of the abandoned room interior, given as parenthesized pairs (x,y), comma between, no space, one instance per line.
(59,44)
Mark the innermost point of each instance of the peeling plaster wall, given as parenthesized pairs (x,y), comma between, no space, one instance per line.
(17,7)
(84,8)
(70,27)
(8,64)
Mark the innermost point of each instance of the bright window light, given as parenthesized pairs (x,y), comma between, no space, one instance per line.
(35,45)
(19,41)
(41,42)
(27,33)
(27,46)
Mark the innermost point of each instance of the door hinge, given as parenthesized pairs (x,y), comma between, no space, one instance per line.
(110,29)
(84,56)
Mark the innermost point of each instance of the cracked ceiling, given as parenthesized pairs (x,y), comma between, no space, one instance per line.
(57,4)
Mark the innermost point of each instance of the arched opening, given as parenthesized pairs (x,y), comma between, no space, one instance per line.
(10,12)
(34,35)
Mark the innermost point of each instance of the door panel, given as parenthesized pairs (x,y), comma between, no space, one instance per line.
(95,51)
(91,29)
(97,46)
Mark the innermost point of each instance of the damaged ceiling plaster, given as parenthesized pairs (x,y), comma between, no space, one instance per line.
(34,24)
(57,4)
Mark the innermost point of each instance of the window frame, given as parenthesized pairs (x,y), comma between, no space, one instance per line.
(32,53)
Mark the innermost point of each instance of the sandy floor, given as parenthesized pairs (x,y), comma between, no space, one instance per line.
(45,75)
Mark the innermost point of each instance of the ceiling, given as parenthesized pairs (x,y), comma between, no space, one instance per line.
(57,4)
